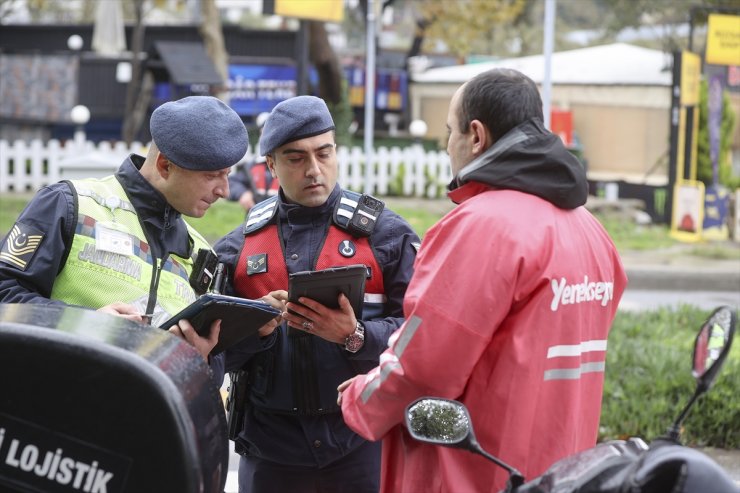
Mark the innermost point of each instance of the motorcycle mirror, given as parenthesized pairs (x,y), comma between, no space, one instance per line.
(711,347)
(447,422)
(438,421)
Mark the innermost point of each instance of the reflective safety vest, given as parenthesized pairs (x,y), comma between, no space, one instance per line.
(110,260)
(299,375)
(263,182)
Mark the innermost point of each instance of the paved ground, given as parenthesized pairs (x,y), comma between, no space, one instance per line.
(679,269)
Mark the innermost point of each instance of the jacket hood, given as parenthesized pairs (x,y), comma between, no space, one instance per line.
(533,160)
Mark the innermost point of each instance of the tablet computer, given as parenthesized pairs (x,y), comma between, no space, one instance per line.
(325,285)
(240,317)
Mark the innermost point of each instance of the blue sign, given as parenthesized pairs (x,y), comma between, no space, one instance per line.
(390,88)
(257,88)
(716,210)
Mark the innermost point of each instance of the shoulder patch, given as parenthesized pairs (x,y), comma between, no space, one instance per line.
(261,214)
(357,213)
(20,245)
(345,208)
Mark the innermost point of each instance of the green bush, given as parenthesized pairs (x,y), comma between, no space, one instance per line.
(648,381)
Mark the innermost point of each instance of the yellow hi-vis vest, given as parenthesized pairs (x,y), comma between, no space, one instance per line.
(119,266)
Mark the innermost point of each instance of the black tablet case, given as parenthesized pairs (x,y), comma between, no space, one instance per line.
(240,317)
(325,285)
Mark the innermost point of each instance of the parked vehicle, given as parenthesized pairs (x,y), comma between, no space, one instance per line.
(614,466)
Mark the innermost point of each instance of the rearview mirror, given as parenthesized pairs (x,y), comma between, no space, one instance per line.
(438,421)
(446,422)
(712,345)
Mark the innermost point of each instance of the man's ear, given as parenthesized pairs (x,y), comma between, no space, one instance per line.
(481,137)
(163,165)
(271,165)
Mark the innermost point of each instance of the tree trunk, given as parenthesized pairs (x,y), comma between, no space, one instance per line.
(326,62)
(212,33)
(131,120)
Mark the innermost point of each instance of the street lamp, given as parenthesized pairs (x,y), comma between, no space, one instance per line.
(75,42)
(418,129)
(80,115)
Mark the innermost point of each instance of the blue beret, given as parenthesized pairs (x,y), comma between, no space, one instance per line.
(293,119)
(199,133)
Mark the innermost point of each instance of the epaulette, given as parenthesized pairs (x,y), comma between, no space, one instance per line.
(345,209)
(261,214)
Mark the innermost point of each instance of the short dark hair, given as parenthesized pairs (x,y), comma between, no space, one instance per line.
(501,99)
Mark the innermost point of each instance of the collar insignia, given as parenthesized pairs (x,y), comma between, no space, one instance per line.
(257,264)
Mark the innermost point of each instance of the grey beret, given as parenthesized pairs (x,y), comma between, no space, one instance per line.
(199,133)
(293,119)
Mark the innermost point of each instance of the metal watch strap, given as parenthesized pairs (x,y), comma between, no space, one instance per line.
(356,340)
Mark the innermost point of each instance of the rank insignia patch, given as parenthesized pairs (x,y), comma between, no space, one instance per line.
(257,264)
(20,245)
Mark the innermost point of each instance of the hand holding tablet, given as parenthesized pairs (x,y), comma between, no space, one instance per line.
(240,317)
(325,285)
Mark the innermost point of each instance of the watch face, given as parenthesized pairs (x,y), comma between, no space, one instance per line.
(354,342)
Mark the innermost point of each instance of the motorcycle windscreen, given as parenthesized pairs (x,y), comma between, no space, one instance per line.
(92,402)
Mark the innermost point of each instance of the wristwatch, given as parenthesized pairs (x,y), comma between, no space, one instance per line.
(355,340)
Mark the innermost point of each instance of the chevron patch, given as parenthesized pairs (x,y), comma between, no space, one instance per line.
(257,264)
(20,245)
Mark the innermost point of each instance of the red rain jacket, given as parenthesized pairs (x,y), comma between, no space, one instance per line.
(508,311)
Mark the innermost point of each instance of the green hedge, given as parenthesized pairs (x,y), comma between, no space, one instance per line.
(648,381)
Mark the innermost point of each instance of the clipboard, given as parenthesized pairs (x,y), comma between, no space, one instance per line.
(240,317)
(325,285)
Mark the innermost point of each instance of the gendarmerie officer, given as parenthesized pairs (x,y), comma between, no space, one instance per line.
(119,244)
(292,437)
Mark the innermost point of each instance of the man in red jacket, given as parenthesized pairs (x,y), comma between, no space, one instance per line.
(509,307)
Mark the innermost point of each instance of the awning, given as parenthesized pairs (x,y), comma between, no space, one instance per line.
(187,63)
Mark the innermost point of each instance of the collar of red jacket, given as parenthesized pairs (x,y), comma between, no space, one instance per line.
(467,190)
(532,160)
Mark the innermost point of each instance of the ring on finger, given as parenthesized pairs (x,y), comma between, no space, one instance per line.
(307,325)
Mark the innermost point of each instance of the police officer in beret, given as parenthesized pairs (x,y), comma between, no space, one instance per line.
(292,436)
(119,244)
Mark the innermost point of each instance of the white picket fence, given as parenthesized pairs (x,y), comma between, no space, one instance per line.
(409,171)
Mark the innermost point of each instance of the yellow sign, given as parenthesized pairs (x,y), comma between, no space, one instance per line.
(723,39)
(690,78)
(688,211)
(318,10)
(687,149)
